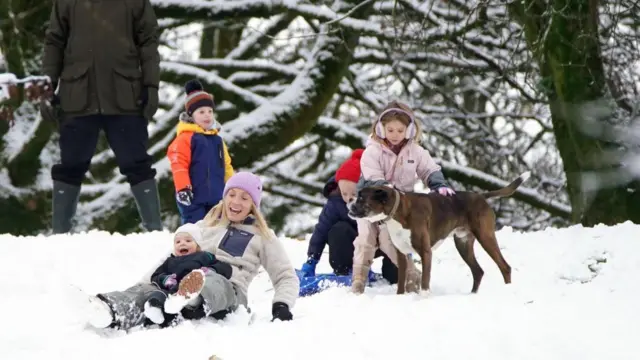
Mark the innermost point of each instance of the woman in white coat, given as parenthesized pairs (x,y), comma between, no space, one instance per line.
(236,233)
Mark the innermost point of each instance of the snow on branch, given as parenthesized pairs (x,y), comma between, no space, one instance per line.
(247,45)
(300,197)
(309,185)
(213,79)
(292,113)
(252,65)
(34,88)
(274,159)
(219,9)
(340,132)
(489,182)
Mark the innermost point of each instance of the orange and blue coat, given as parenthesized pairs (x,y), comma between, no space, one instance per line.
(199,160)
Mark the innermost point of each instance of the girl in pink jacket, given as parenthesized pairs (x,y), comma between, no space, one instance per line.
(392,155)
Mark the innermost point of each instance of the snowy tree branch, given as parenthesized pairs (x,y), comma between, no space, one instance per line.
(296,110)
(489,182)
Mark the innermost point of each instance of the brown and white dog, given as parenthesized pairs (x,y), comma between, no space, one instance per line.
(419,222)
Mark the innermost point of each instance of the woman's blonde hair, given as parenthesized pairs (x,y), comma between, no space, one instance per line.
(217,216)
(399,116)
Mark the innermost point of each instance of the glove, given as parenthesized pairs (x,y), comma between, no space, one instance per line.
(149,101)
(50,92)
(222,268)
(50,104)
(170,282)
(50,109)
(309,267)
(372,276)
(281,311)
(445,191)
(185,196)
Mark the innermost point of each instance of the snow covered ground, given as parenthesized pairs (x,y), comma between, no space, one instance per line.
(575,295)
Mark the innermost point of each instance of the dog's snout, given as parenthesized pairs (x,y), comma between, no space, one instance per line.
(354,208)
(350,203)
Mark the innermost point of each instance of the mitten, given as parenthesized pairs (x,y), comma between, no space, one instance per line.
(445,191)
(309,267)
(185,196)
(372,276)
(170,282)
(281,311)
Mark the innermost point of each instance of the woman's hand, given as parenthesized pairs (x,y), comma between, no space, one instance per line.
(281,311)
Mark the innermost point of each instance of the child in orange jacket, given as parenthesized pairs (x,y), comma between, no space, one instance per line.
(200,161)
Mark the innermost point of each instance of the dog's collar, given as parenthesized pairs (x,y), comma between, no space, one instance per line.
(396,204)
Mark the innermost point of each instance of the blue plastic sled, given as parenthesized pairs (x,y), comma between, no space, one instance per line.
(314,284)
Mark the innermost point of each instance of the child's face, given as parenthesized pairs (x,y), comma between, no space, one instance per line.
(203,117)
(183,244)
(347,190)
(395,131)
(238,204)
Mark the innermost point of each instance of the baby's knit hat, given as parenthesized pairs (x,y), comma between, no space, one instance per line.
(192,229)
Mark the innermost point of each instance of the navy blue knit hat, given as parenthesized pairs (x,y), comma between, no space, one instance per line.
(196,97)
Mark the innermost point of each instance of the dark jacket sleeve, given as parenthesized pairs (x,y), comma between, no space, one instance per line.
(328,217)
(436,181)
(158,276)
(220,267)
(146,38)
(55,40)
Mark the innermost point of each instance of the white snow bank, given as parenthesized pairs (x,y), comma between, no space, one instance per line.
(574,296)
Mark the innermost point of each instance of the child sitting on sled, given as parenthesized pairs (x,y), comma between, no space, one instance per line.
(187,256)
(200,161)
(337,230)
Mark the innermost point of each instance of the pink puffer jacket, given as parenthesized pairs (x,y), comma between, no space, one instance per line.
(403,170)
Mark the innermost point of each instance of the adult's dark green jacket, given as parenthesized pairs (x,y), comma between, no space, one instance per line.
(103,53)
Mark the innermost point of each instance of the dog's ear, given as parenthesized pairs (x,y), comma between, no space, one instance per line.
(381,196)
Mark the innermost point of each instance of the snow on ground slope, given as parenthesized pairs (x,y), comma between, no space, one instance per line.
(575,295)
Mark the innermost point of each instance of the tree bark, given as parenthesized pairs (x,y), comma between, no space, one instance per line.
(565,44)
(22,25)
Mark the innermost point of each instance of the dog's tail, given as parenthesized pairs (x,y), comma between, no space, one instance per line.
(509,189)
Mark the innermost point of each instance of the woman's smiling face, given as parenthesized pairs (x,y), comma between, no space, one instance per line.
(238,204)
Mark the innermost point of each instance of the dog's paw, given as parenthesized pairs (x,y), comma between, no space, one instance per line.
(357,287)
(413,287)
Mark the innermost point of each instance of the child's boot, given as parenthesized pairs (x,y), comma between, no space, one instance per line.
(188,292)
(99,314)
(153,307)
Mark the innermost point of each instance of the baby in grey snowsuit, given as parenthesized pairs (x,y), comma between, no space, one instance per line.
(186,257)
